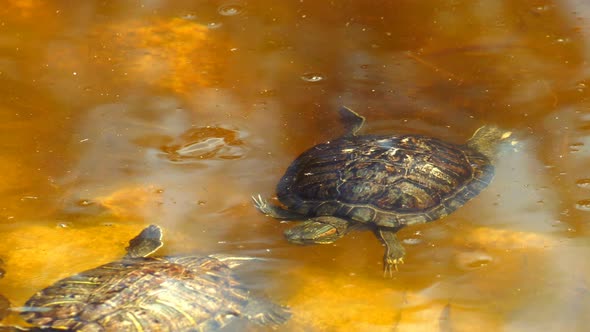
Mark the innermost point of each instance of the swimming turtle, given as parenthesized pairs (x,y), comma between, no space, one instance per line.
(4,303)
(140,293)
(382,181)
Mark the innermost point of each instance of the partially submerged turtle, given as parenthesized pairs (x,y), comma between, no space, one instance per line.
(139,293)
(385,182)
(4,303)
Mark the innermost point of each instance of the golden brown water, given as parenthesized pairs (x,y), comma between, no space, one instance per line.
(114,116)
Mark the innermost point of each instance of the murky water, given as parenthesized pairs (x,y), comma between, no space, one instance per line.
(115,115)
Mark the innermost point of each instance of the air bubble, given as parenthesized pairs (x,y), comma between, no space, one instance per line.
(563,40)
(189,17)
(575,147)
(412,241)
(541,9)
(268,92)
(231,9)
(214,25)
(583,183)
(85,202)
(312,77)
(583,205)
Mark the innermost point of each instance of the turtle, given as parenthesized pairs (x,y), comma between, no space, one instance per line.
(4,303)
(380,182)
(4,306)
(141,293)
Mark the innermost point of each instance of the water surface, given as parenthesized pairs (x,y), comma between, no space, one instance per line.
(115,115)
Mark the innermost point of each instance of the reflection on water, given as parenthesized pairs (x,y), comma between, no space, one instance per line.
(204,143)
(115,115)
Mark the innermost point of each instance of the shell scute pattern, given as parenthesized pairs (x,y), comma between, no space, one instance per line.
(157,293)
(390,174)
(173,293)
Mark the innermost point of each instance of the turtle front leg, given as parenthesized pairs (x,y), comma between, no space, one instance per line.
(394,251)
(274,211)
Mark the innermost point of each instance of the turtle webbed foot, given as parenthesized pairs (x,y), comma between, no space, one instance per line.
(390,264)
(262,205)
(263,312)
(394,251)
(276,212)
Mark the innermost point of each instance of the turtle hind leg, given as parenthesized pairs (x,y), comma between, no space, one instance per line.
(394,251)
(263,312)
(274,211)
(318,230)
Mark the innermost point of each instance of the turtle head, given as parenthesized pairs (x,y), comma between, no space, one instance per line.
(486,139)
(319,230)
(146,242)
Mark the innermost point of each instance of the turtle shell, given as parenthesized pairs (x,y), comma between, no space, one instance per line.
(390,181)
(184,293)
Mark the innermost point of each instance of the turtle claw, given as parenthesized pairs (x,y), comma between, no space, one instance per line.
(262,205)
(273,211)
(390,265)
